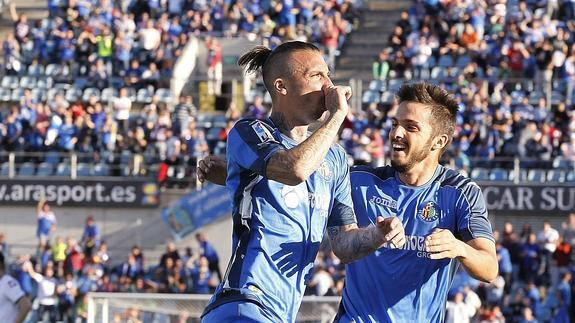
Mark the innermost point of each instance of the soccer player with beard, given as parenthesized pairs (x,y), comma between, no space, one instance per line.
(443,213)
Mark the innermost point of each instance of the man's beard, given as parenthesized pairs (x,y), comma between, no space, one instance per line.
(416,158)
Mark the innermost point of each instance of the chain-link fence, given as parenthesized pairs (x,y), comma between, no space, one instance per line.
(172,308)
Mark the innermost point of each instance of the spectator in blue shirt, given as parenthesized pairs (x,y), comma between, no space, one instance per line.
(208,251)
(90,237)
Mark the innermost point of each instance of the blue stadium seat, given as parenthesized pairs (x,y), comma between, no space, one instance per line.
(10,82)
(387,97)
(101,170)
(63,169)
(536,175)
(220,121)
(80,82)
(5,94)
(438,72)
(52,93)
(463,61)
(164,95)
(108,94)
(394,85)
(45,169)
(52,157)
(144,96)
(375,85)
(203,120)
(5,169)
(17,94)
(83,170)
(73,94)
(522,177)
(445,61)
(39,94)
(480,174)
(570,177)
(561,163)
(27,169)
(36,70)
(370,97)
(53,70)
(499,174)
(555,175)
(28,82)
(89,92)
(44,82)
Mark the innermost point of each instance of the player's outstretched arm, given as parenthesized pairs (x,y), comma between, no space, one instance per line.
(212,169)
(478,255)
(350,243)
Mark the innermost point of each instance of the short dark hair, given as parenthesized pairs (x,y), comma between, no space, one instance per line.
(442,104)
(271,62)
(2,261)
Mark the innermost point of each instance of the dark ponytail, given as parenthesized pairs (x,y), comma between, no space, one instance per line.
(255,58)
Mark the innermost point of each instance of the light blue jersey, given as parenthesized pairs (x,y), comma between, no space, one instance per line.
(277,228)
(404,285)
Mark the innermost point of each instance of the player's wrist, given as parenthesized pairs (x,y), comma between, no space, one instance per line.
(461,249)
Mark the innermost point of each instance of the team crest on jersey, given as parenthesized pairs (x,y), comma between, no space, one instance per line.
(325,171)
(262,132)
(429,213)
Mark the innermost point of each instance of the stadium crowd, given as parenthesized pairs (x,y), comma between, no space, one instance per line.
(510,63)
(115,51)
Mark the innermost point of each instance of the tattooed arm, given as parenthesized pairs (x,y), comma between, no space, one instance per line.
(350,243)
(293,166)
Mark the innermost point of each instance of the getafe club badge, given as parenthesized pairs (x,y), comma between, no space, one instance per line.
(261,131)
(429,213)
(325,171)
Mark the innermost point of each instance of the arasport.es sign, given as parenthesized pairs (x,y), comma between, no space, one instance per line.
(529,199)
(101,193)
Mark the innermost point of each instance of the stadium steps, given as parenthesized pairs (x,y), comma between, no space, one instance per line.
(364,44)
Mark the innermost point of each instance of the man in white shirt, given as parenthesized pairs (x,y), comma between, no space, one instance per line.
(14,304)
(548,239)
(46,291)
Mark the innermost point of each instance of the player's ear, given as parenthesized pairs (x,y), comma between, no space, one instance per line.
(279,86)
(440,142)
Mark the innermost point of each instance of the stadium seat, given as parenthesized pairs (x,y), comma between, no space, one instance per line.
(28,82)
(536,175)
(5,94)
(370,97)
(108,94)
(73,94)
(10,82)
(438,72)
(204,120)
(39,94)
(561,163)
(375,85)
(17,94)
(445,61)
(52,157)
(164,95)
(557,98)
(83,170)
(52,93)
(570,177)
(387,97)
(53,70)
(5,169)
(63,169)
(394,85)
(499,174)
(27,169)
(89,92)
(45,169)
(555,175)
(144,96)
(213,134)
(463,61)
(36,70)
(220,120)
(80,82)
(101,170)
(44,82)
(522,177)
(480,174)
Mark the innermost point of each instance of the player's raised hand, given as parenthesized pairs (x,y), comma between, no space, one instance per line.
(441,243)
(393,231)
(336,98)
(212,169)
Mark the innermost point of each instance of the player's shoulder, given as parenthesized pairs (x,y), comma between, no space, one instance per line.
(452,178)
(383,173)
(251,127)
(7,281)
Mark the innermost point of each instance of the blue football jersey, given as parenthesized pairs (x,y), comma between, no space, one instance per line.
(404,285)
(278,228)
